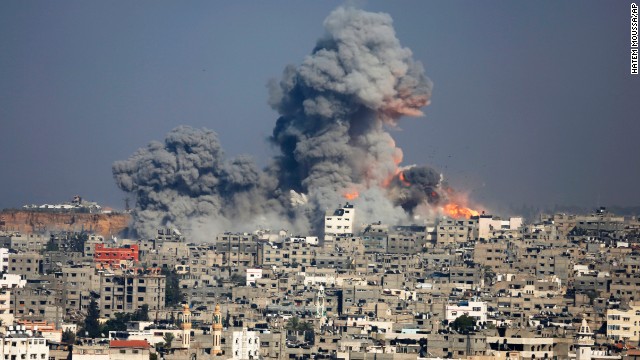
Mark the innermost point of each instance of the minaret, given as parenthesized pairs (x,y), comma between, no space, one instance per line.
(217,331)
(186,326)
(321,312)
(583,341)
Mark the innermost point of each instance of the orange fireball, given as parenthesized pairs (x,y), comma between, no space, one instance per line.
(457,211)
(351,195)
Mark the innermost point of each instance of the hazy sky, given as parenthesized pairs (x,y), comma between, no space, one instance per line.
(533,102)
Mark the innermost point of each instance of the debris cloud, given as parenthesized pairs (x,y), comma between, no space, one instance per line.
(335,111)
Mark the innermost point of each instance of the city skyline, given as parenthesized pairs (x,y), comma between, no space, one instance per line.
(532,103)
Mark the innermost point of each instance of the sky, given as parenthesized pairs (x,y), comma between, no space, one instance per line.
(533,102)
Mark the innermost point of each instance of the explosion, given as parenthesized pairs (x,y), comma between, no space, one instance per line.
(402,179)
(334,112)
(351,195)
(458,211)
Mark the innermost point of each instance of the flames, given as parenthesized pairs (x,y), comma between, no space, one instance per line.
(402,179)
(427,197)
(351,195)
(459,211)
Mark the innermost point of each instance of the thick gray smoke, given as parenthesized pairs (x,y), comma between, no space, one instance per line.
(186,182)
(334,108)
(332,135)
(416,185)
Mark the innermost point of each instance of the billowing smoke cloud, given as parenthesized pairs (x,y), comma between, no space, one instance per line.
(186,182)
(416,185)
(332,135)
(335,105)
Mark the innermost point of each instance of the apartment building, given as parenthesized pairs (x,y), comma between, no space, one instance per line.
(20,344)
(624,324)
(28,265)
(126,291)
(451,231)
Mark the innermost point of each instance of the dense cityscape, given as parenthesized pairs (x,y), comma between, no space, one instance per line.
(563,286)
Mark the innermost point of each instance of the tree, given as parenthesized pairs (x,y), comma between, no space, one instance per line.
(173,296)
(168,338)
(52,246)
(305,326)
(238,279)
(463,323)
(68,337)
(77,242)
(294,324)
(489,275)
(141,314)
(117,323)
(92,326)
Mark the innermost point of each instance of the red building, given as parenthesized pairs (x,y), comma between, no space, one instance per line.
(129,349)
(111,256)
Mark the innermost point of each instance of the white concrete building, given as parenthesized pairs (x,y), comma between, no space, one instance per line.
(6,314)
(18,344)
(153,336)
(339,221)
(532,347)
(245,345)
(4,259)
(253,275)
(488,224)
(312,279)
(623,324)
(474,309)
(12,281)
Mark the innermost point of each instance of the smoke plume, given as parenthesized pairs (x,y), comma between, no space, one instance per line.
(334,108)
(332,135)
(186,182)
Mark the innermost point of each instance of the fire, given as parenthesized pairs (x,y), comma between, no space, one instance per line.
(402,179)
(351,195)
(457,211)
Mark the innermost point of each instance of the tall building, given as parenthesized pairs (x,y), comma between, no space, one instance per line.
(186,326)
(125,291)
(216,330)
(624,324)
(584,341)
(245,345)
(337,222)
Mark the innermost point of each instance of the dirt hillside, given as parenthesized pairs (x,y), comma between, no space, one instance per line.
(38,221)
